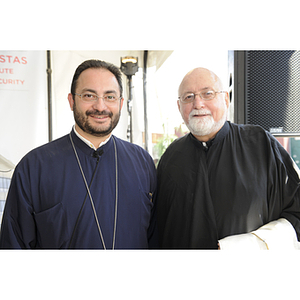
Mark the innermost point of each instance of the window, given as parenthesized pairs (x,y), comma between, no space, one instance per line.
(292,146)
(4,186)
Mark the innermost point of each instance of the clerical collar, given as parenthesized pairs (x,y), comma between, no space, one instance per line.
(88,142)
(218,138)
(207,144)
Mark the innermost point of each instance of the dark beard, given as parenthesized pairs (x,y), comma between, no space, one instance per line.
(82,121)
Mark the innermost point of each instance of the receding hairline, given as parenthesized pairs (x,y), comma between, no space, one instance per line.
(200,72)
(96,64)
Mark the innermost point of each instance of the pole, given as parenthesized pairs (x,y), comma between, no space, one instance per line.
(145,99)
(49,72)
(129,109)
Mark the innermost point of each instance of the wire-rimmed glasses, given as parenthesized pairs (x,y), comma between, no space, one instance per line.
(207,94)
(90,98)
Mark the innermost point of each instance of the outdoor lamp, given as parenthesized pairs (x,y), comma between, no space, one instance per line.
(129,65)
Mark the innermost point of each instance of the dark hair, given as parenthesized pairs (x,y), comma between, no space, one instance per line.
(96,64)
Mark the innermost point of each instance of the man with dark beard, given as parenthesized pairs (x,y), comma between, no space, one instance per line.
(224,185)
(88,189)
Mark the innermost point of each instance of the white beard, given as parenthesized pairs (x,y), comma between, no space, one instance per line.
(205,125)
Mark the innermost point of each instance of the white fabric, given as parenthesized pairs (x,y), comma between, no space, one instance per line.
(276,235)
(279,235)
(90,144)
(246,241)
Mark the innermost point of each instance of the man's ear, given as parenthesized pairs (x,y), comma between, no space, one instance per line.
(121,103)
(71,101)
(227,99)
(178,105)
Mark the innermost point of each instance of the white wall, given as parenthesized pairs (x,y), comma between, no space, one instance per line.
(23,102)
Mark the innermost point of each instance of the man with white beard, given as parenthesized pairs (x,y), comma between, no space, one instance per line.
(206,117)
(223,185)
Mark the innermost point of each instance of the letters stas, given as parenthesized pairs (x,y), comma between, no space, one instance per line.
(13,59)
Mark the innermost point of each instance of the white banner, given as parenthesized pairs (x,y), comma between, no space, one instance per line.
(23,102)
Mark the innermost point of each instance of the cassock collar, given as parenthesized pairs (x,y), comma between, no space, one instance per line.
(88,142)
(219,137)
(222,133)
(86,148)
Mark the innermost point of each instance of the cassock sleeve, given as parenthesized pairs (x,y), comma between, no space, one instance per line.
(276,235)
(283,233)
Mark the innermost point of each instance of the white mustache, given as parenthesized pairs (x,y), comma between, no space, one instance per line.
(201,112)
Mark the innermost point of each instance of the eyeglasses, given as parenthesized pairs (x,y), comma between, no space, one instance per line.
(206,95)
(89,98)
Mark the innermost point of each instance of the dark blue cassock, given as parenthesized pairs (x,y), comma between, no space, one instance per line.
(48,206)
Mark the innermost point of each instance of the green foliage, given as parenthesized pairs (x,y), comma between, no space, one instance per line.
(163,144)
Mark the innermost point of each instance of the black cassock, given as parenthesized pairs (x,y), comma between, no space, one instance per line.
(243,180)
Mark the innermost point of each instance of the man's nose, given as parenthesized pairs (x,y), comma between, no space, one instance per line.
(198,101)
(100,104)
